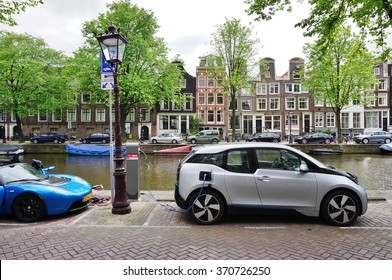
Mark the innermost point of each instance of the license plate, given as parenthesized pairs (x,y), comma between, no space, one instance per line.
(88,197)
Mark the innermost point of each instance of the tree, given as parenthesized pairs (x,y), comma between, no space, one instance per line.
(31,77)
(9,8)
(234,48)
(146,76)
(373,17)
(341,72)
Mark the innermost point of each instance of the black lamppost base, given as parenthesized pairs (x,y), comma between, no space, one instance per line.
(121,210)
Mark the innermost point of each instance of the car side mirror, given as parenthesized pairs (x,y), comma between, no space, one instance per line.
(303,167)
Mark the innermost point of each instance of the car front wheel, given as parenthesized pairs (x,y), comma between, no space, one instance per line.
(387,140)
(28,208)
(174,141)
(193,141)
(207,208)
(56,141)
(104,141)
(327,141)
(154,141)
(340,208)
(365,141)
(304,141)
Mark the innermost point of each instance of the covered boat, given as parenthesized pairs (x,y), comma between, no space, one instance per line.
(10,150)
(325,151)
(90,150)
(386,148)
(179,151)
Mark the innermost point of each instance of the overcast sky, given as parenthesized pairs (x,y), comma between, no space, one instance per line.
(185,25)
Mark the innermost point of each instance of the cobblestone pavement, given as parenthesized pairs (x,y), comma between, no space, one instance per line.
(152,231)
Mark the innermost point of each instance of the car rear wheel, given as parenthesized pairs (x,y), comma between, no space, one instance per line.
(174,141)
(327,141)
(35,141)
(275,141)
(56,141)
(387,140)
(154,141)
(340,208)
(193,141)
(84,141)
(207,208)
(365,141)
(304,141)
(28,208)
(104,141)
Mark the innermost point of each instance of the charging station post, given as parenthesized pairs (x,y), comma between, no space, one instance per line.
(133,170)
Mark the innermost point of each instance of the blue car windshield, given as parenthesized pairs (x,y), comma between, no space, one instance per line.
(20,172)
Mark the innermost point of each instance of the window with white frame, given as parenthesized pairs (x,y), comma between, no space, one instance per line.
(163,122)
(303,103)
(288,87)
(330,117)
(211,99)
(71,115)
(173,122)
(219,116)
(274,104)
(86,98)
(356,120)
(294,121)
(219,82)
(237,122)
(272,122)
(183,83)
(188,103)
(372,119)
(382,84)
(42,116)
(100,114)
(201,98)
(261,104)
(345,120)
(57,116)
(165,105)
(319,119)
(210,82)
(261,88)
(201,115)
(130,116)
(219,98)
(290,103)
(318,101)
(382,99)
(371,100)
(376,71)
(296,88)
(85,115)
(246,105)
(245,91)
(210,116)
(274,88)
(3,115)
(145,115)
(202,81)
(267,74)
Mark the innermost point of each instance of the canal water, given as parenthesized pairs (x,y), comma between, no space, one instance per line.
(159,172)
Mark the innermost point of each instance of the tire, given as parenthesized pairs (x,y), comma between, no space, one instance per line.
(35,141)
(84,141)
(365,141)
(208,208)
(174,141)
(304,141)
(56,141)
(103,141)
(340,208)
(154,141)
(193,141)
(275,141)
(28,208)
(327,141)
(387,140)
(214,141)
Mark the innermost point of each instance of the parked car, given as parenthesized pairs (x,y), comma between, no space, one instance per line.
(217,180)
(264,137)
(29,193)
(96,138)
(49,137)
(373,137)
(167,138)
(315,138)
(205,136)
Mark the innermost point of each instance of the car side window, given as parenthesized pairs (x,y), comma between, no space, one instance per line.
(215,159)
(238,161)
(278,159)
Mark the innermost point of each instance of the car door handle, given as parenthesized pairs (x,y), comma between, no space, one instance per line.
(264,178)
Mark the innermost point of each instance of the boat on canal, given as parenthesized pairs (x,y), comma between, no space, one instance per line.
(386,149)
(178,151)
(10,150)
(90,150)
(325,151)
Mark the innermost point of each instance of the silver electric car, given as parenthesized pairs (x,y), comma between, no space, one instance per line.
(216,180)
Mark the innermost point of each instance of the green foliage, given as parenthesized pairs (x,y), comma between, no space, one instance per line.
(340,71)
(234,50)
(31,76)
(194,124)
(10,7)
(146,76)
(373,17)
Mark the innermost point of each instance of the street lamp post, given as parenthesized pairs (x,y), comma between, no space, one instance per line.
(141,126)
(113,46)
(290,116)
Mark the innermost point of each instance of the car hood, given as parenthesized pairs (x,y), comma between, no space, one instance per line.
(337,171)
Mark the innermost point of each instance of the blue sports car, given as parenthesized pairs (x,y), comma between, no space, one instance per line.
(30,192)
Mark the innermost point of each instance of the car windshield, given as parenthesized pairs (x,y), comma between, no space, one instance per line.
(21,171)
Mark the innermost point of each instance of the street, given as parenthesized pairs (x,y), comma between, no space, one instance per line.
(153,231)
